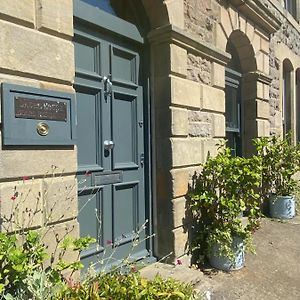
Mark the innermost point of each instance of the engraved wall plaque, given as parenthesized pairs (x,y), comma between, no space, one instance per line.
(26,108)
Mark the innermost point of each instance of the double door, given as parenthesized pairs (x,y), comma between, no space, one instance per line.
(111,171)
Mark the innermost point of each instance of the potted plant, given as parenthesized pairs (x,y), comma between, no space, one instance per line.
(280,163)
(221,193)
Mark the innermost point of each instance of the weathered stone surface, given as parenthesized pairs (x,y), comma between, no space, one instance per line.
(50,57)
(21,204)
(263,109)
(181,244)
(21,162)
(212,99)
(199,116)
(55,15)
(18,11)
(178,60)
(263,128)
(198,69)
(179,121)
(175,10)
(181,180)
(60,198)
(210,148)
(219,125)
(200,18)
(54,236)
(186,152)
(185,92)
(197,129)
(218,75)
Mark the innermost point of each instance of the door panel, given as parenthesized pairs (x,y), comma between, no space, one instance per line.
(110,112)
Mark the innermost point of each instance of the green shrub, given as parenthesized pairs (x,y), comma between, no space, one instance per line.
(222,192)
(130,286)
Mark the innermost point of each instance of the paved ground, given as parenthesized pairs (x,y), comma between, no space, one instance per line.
(273,273)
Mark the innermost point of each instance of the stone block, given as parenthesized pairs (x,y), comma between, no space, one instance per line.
(210,148)
(21,12)
(260,61)
(266,92)
(60,198)
(263,128)
(220,37)
(242,21)
(233,14)
(181,243)
(225,22)
(218,125)
(200,116)
(55,16)
(264,45)
(181,180)
(21,204)
(179,125)
(18,163)
(197,129)
(212,99)
(186,152)
(260,90)
(256,42)
(250,30)
(28,51)
(175,12)
(179,210)
(185,92)
(54,236)
(266,64)
(262,109)
(178,60)
(218,75)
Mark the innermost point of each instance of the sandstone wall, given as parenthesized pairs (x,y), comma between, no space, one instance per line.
(37,184)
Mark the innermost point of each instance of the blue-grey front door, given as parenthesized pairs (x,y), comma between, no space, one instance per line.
(109,95)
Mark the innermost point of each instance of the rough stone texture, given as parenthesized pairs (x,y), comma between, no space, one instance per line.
(17,11)
(21,204)
(55,16)
(198,69)
(24,50)
(200,18)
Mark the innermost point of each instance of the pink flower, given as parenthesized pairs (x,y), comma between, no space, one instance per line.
(87,173)
(25,178)
(178,262)
(109,242)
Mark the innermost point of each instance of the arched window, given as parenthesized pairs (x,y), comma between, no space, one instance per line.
(233,102)
(287,96)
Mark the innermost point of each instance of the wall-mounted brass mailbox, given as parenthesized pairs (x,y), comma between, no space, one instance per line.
(33,116)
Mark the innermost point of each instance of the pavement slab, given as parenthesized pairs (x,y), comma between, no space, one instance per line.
(270,274)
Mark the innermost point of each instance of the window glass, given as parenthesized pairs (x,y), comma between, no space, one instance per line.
(290,6)
(232,107)
(102,4)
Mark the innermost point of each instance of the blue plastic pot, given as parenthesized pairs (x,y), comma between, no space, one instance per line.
(282,207)
(224,263)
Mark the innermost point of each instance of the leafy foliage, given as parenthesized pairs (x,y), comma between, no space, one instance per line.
(129,286)
(222,192)
(280,162)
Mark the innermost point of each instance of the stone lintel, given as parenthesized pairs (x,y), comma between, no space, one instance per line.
(174,35)
(258,13)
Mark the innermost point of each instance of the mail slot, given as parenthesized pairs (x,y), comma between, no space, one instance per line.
(32,116)
(105,178)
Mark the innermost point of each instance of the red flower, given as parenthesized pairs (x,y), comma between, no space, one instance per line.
(109,242)
(178,262)
(25,178)
(13,198)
